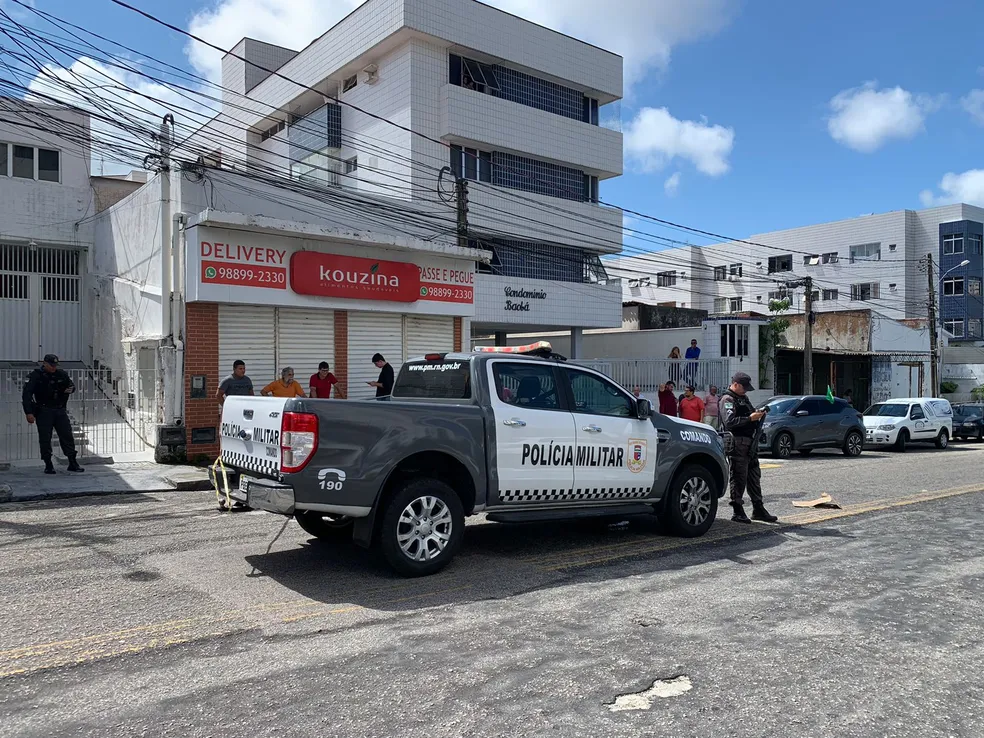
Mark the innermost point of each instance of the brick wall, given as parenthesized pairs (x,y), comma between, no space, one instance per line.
(341,351)
(201,357)
(457,333)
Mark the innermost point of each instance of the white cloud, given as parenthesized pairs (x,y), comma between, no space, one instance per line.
(672,184)
(865,118)
(973,103)
(643,31)
(654,138)
(965,187)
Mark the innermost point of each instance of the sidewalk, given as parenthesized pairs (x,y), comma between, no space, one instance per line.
(22,482)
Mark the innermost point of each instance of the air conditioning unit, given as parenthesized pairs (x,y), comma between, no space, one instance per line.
(370,74)
(733,277)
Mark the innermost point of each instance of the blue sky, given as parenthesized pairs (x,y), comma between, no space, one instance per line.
(745,143)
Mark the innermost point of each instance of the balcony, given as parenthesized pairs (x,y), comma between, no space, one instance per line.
(492,122)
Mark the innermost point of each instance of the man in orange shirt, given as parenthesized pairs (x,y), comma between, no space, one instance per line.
(286,386)
(691,406)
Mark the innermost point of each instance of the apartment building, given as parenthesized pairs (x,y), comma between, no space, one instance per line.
(339,161)
(873,262)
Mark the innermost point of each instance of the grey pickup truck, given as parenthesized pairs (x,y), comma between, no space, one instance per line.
(521,436)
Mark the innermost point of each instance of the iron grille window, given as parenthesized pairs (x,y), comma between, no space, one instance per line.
(14,286)
(539,177)
(782,263)
(315,133)
(38,261)
(60,289)
(953,243)
(535,260)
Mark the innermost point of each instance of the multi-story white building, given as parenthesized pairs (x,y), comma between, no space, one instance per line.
(872,262)
(342,157)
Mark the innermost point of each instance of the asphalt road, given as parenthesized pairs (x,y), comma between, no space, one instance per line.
(156,615)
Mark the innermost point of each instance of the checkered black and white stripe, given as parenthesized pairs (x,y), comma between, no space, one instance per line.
(566,495)
(245,461)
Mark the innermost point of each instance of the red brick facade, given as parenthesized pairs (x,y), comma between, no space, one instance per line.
(340,370)
(458,324)
(202,357)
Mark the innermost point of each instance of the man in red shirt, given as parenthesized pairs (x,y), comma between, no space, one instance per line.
(691,406)
(667,399)
(322,382)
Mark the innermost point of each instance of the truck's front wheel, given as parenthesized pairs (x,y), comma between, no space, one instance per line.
(325,526)
(422,527)
(692,502)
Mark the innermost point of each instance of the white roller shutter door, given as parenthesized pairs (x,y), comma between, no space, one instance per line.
(368,334)
(248,332)
(305,338)
(429,334)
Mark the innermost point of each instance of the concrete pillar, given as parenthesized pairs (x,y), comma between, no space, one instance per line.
(500,338)
(577,343)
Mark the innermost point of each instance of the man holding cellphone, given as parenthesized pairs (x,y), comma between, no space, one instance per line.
(740,418)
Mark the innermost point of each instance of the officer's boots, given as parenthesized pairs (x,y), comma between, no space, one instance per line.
(760,513)
(739,516)
(49,468)
(73,465)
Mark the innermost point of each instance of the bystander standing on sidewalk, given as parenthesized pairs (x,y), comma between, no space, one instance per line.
(286,386)
(321,384)
(667,399)
(691,406)
(383,385)
(711,401)
(692,353)
(235,384)
(45,400)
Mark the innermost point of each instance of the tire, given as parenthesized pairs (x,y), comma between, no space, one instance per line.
(691,502)
(428,515)
(980,435)
(782,446)
(325,526)
(853,444)
(943,439)
(901,441)
(805,451)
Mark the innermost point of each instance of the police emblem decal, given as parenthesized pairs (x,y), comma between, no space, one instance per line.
(637,455)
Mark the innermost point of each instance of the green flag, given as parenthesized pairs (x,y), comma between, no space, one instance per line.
(830,395)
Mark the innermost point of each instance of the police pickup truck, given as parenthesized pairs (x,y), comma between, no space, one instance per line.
(516,433)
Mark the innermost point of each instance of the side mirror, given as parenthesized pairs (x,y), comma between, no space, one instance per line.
(802,413)
(644,409)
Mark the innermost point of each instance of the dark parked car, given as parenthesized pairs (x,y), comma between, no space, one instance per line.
(811,421)
(968,421)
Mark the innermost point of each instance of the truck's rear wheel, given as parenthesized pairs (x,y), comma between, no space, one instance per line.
(692,502)
(325,526)
(422,527)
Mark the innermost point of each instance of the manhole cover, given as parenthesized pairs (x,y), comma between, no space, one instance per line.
(661,689)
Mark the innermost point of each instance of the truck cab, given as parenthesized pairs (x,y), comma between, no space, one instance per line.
(518,434)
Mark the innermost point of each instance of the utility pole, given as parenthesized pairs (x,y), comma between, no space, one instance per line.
(461,195)
(808,338)
(933,338)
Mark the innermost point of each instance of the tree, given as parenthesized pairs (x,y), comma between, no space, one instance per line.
(771,338)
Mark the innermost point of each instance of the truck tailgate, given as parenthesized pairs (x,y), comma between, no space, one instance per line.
(250,433)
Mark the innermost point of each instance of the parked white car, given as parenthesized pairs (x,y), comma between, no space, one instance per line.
(906,420)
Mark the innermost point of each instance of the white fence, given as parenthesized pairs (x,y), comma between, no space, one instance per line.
(649,374)
(111,414)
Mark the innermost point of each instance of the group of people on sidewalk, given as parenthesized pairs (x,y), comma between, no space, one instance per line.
(689,405)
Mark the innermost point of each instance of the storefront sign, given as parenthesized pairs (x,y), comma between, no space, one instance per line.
(351,277)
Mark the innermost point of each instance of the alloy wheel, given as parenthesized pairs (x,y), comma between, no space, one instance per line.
(424,528)
(695,501)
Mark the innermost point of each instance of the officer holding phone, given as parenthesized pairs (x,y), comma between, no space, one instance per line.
(740,418)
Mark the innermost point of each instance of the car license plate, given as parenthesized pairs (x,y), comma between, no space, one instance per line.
(244,484)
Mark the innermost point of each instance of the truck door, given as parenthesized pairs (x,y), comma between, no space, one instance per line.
(616,451)
(922,427)
(534,432)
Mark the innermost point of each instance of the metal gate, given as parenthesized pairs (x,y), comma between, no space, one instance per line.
(40,303)
(111,414)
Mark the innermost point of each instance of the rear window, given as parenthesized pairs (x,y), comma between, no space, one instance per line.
(434,380)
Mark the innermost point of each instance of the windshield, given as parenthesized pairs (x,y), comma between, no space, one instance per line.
(783,406)
(968,411)
(888,409)
(434,380)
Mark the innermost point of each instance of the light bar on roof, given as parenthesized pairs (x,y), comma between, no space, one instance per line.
(528,349)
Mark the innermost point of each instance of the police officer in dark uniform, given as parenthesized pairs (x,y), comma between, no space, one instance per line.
(45,398)
(740,418)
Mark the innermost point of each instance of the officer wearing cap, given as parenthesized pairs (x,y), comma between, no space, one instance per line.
(45,398)
(740,418)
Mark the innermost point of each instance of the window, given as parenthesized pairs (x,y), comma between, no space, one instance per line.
(449,380)
(666,279)
(720,273)
(829,295)
(720,305)
(4,148)
(781,263)
(974,244)
(811,259)
(273,130)
(829,258)
(866,252)
(597,396)
(526,385)
(590,188)
(23,162)
(812,406)
(953,286)
(734,304)
(954,327)
(892,247)
(350,82)
(777,295)
(917,413)
(864,291)
(734,270)
(352,165)
(734,340)
(953,243)
(974,286)
(471,164)
(974,327)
